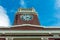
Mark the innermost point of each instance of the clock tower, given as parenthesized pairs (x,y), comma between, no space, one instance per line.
(26,16)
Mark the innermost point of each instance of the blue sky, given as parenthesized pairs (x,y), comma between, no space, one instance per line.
(48,10)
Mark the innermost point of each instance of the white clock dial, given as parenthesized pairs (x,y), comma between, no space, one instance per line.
(26,17)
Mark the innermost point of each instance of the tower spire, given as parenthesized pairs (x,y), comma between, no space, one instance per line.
(26,16)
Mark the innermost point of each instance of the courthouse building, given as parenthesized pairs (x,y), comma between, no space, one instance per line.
(27,27)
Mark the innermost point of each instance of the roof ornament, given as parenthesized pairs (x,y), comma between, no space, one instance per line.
(26,10)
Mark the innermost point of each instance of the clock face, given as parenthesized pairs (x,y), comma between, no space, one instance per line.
(26,17)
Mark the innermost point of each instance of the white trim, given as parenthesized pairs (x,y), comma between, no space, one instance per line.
(28,37)
(30,25)
(10,38)
(22,25)
(21,37)
(27,25)
(31,31)
(5,26)
(56,36)
(6,38)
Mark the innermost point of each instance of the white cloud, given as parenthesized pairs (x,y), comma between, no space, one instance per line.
(22,3)
(4,20)
(57,13)
(57,4)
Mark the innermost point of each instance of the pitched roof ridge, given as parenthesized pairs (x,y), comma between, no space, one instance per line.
(27,25)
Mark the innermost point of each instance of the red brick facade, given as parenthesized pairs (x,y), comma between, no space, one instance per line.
(19,21)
